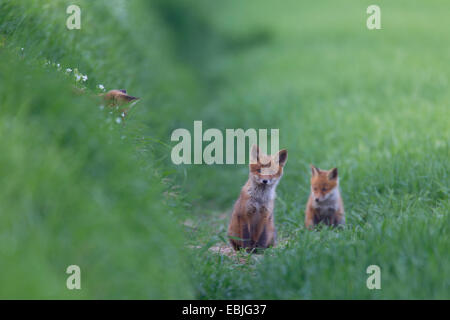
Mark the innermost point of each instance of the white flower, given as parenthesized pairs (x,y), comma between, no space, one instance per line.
(118,120)
(58,65)
(78,77)
(68,70)
(101,87)
(84,78)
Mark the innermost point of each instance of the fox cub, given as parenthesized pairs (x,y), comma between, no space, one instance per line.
(113,98)
(118,98)
(252,224)
(325,202)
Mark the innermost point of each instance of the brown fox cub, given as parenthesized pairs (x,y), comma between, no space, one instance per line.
(325,202)
(252,217)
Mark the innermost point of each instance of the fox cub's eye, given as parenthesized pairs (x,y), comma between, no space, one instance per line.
(258,170)
(324,189)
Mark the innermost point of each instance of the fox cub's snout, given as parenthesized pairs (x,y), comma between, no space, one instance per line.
(325,202)
(252,223)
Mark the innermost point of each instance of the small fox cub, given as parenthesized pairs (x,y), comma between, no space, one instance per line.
(252,217)
(325,202)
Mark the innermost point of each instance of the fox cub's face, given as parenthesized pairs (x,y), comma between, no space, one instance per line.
(266,169)
(324,183)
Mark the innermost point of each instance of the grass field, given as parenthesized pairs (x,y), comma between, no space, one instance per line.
(79,188)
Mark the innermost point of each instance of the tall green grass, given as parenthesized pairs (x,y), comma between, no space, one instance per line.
(79,188)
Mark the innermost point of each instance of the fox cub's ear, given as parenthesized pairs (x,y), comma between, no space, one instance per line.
(333,174)
(314,170)
(282,157)
(254,154)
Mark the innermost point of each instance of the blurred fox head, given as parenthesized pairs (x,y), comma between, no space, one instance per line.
(118,97)
(324,183)
(266,169)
